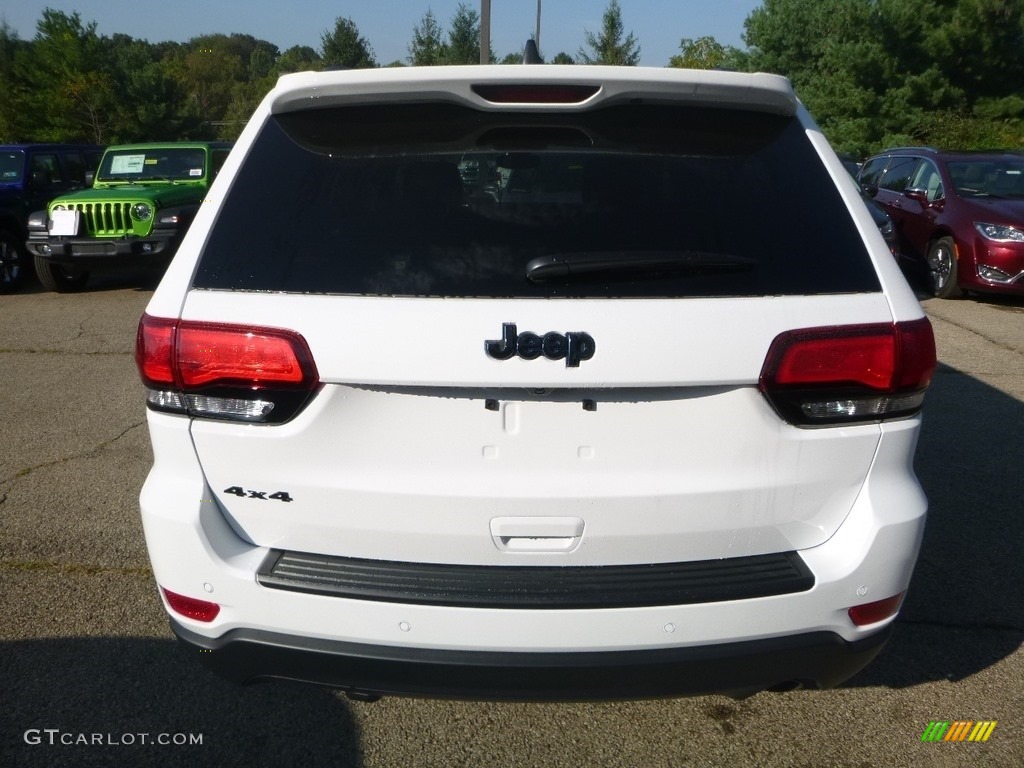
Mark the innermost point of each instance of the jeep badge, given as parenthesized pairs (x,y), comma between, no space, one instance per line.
(573,346)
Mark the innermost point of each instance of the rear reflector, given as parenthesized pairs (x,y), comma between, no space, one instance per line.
(528,93)
(849,373)
(190,607)
(872,613)
(215,370)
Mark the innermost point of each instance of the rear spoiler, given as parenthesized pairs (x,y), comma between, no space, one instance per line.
(757,92)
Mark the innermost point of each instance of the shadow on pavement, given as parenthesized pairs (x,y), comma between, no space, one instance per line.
(963,612)
(118,686)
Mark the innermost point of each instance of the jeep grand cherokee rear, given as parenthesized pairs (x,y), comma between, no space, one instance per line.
(601,433)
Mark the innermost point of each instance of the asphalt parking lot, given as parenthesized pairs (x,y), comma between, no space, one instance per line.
(90,674)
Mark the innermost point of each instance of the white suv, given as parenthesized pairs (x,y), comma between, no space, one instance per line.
(633,415)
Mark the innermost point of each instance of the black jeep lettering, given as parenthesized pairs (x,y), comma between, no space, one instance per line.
(574,346)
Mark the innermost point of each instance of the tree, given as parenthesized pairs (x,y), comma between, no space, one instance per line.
(464,37)
(13,116)
(209,69)
(262,59)
(64,80)
(427,47)
(702,53)
(298,58)
(563,58)
(151,100)
(609,47)
(879,72)
(345,48)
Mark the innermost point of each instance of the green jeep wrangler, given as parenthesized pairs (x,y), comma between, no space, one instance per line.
(139,205)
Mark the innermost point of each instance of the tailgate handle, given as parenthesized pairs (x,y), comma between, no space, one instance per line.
(536,534)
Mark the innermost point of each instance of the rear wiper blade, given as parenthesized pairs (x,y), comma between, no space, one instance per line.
(584,263)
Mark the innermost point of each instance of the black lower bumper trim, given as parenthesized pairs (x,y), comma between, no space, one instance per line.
(537,586)
(812,660)
(160,245)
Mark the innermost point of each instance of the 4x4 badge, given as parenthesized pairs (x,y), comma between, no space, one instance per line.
(573,346)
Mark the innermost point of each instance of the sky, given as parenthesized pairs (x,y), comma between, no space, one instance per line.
(388,24)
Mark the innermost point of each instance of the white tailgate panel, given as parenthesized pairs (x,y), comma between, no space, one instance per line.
(399,457)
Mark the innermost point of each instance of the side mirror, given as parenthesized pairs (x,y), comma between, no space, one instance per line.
(920,195)
(89,176)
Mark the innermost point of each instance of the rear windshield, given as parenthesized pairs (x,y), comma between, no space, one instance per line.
(443,200)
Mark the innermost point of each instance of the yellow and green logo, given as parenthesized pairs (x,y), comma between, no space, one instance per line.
(958,730)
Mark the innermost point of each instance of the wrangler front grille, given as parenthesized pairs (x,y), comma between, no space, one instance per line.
(105,219)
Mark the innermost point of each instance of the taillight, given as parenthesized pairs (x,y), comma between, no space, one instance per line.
(216,370)
(843,374)
(193,608)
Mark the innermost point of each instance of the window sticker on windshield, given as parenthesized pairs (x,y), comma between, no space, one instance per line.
(195,172)
(127,163)
(151,161)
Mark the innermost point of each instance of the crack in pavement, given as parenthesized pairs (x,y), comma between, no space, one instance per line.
(81,455)
(81,327)
(995,342)
(24,351)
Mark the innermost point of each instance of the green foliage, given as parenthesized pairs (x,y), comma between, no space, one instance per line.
(298,58)
(609,47)
(430,46)
(345,48)
(427,47)
(65,75)
(14,121)
(702,53)
(463,46)
(873,73)
(150,102)
(880,72)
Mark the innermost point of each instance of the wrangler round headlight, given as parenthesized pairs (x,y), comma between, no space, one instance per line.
(60,207)
(142,211)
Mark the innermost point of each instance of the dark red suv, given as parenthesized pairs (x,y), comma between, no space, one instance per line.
(959,213)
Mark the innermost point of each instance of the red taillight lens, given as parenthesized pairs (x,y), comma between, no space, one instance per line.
(863,358)
(154,351)
(209,354)
(200,610)
(532,93)
(849,373)
(917,354)
(871,613)
(215,370)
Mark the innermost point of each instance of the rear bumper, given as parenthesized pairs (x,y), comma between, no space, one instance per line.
(813,660)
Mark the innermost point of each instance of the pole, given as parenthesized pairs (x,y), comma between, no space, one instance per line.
(485,31)
(536,35)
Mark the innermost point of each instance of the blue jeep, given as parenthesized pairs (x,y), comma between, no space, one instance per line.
(30,176)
